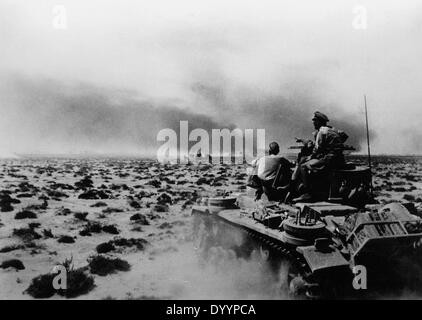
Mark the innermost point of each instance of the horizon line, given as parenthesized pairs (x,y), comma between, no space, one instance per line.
(139,155)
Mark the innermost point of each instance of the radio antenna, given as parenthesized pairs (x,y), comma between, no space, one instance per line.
(367,140)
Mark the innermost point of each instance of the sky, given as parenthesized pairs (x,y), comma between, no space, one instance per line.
(106,76)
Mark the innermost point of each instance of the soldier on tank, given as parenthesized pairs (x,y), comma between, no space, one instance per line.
(268,169)
(326,154)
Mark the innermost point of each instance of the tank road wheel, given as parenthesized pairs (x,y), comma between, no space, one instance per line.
(220,258)
(212,255)
(264,253)
(198,233)
(238,238)
(198,238)
(283,279)
(300,288)
(196,225)
(205,237)
(214,230)
(202,235)
(227,258)
(297,286)
(296,282)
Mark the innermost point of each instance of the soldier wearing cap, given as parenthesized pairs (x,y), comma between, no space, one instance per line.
(327,154)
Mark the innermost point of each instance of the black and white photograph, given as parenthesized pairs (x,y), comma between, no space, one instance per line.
(210,150)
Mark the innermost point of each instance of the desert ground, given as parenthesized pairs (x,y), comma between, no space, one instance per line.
(124,227)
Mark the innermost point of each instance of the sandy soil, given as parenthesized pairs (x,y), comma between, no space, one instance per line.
(66,195)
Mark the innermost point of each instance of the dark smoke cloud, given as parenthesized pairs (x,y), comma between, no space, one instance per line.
(56,117)
(283,116)
(50,116)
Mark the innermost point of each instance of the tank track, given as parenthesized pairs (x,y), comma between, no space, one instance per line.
(301,282)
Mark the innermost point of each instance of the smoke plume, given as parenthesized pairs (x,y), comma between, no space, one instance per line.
(49,116)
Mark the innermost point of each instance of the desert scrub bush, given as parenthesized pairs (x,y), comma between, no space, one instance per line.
(103,266)
(34,225)
(160,208)
(25,214)
(78,283)
(41,286)
(137,229)
(47,233)
(91,227)
(14,263)
(134,204)
(62,211)
(409,197)
(26,234)
(121,242)
(139,218)
(6,207)
(66,239)
(11,248)
(112,210)
(99,204)
(110,229)
(139,243)
(105,247)
(80,215)
(96,227)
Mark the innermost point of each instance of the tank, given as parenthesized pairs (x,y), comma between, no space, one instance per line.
(332,249)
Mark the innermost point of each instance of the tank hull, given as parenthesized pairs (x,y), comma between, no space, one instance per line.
(308,270)
(246,238)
